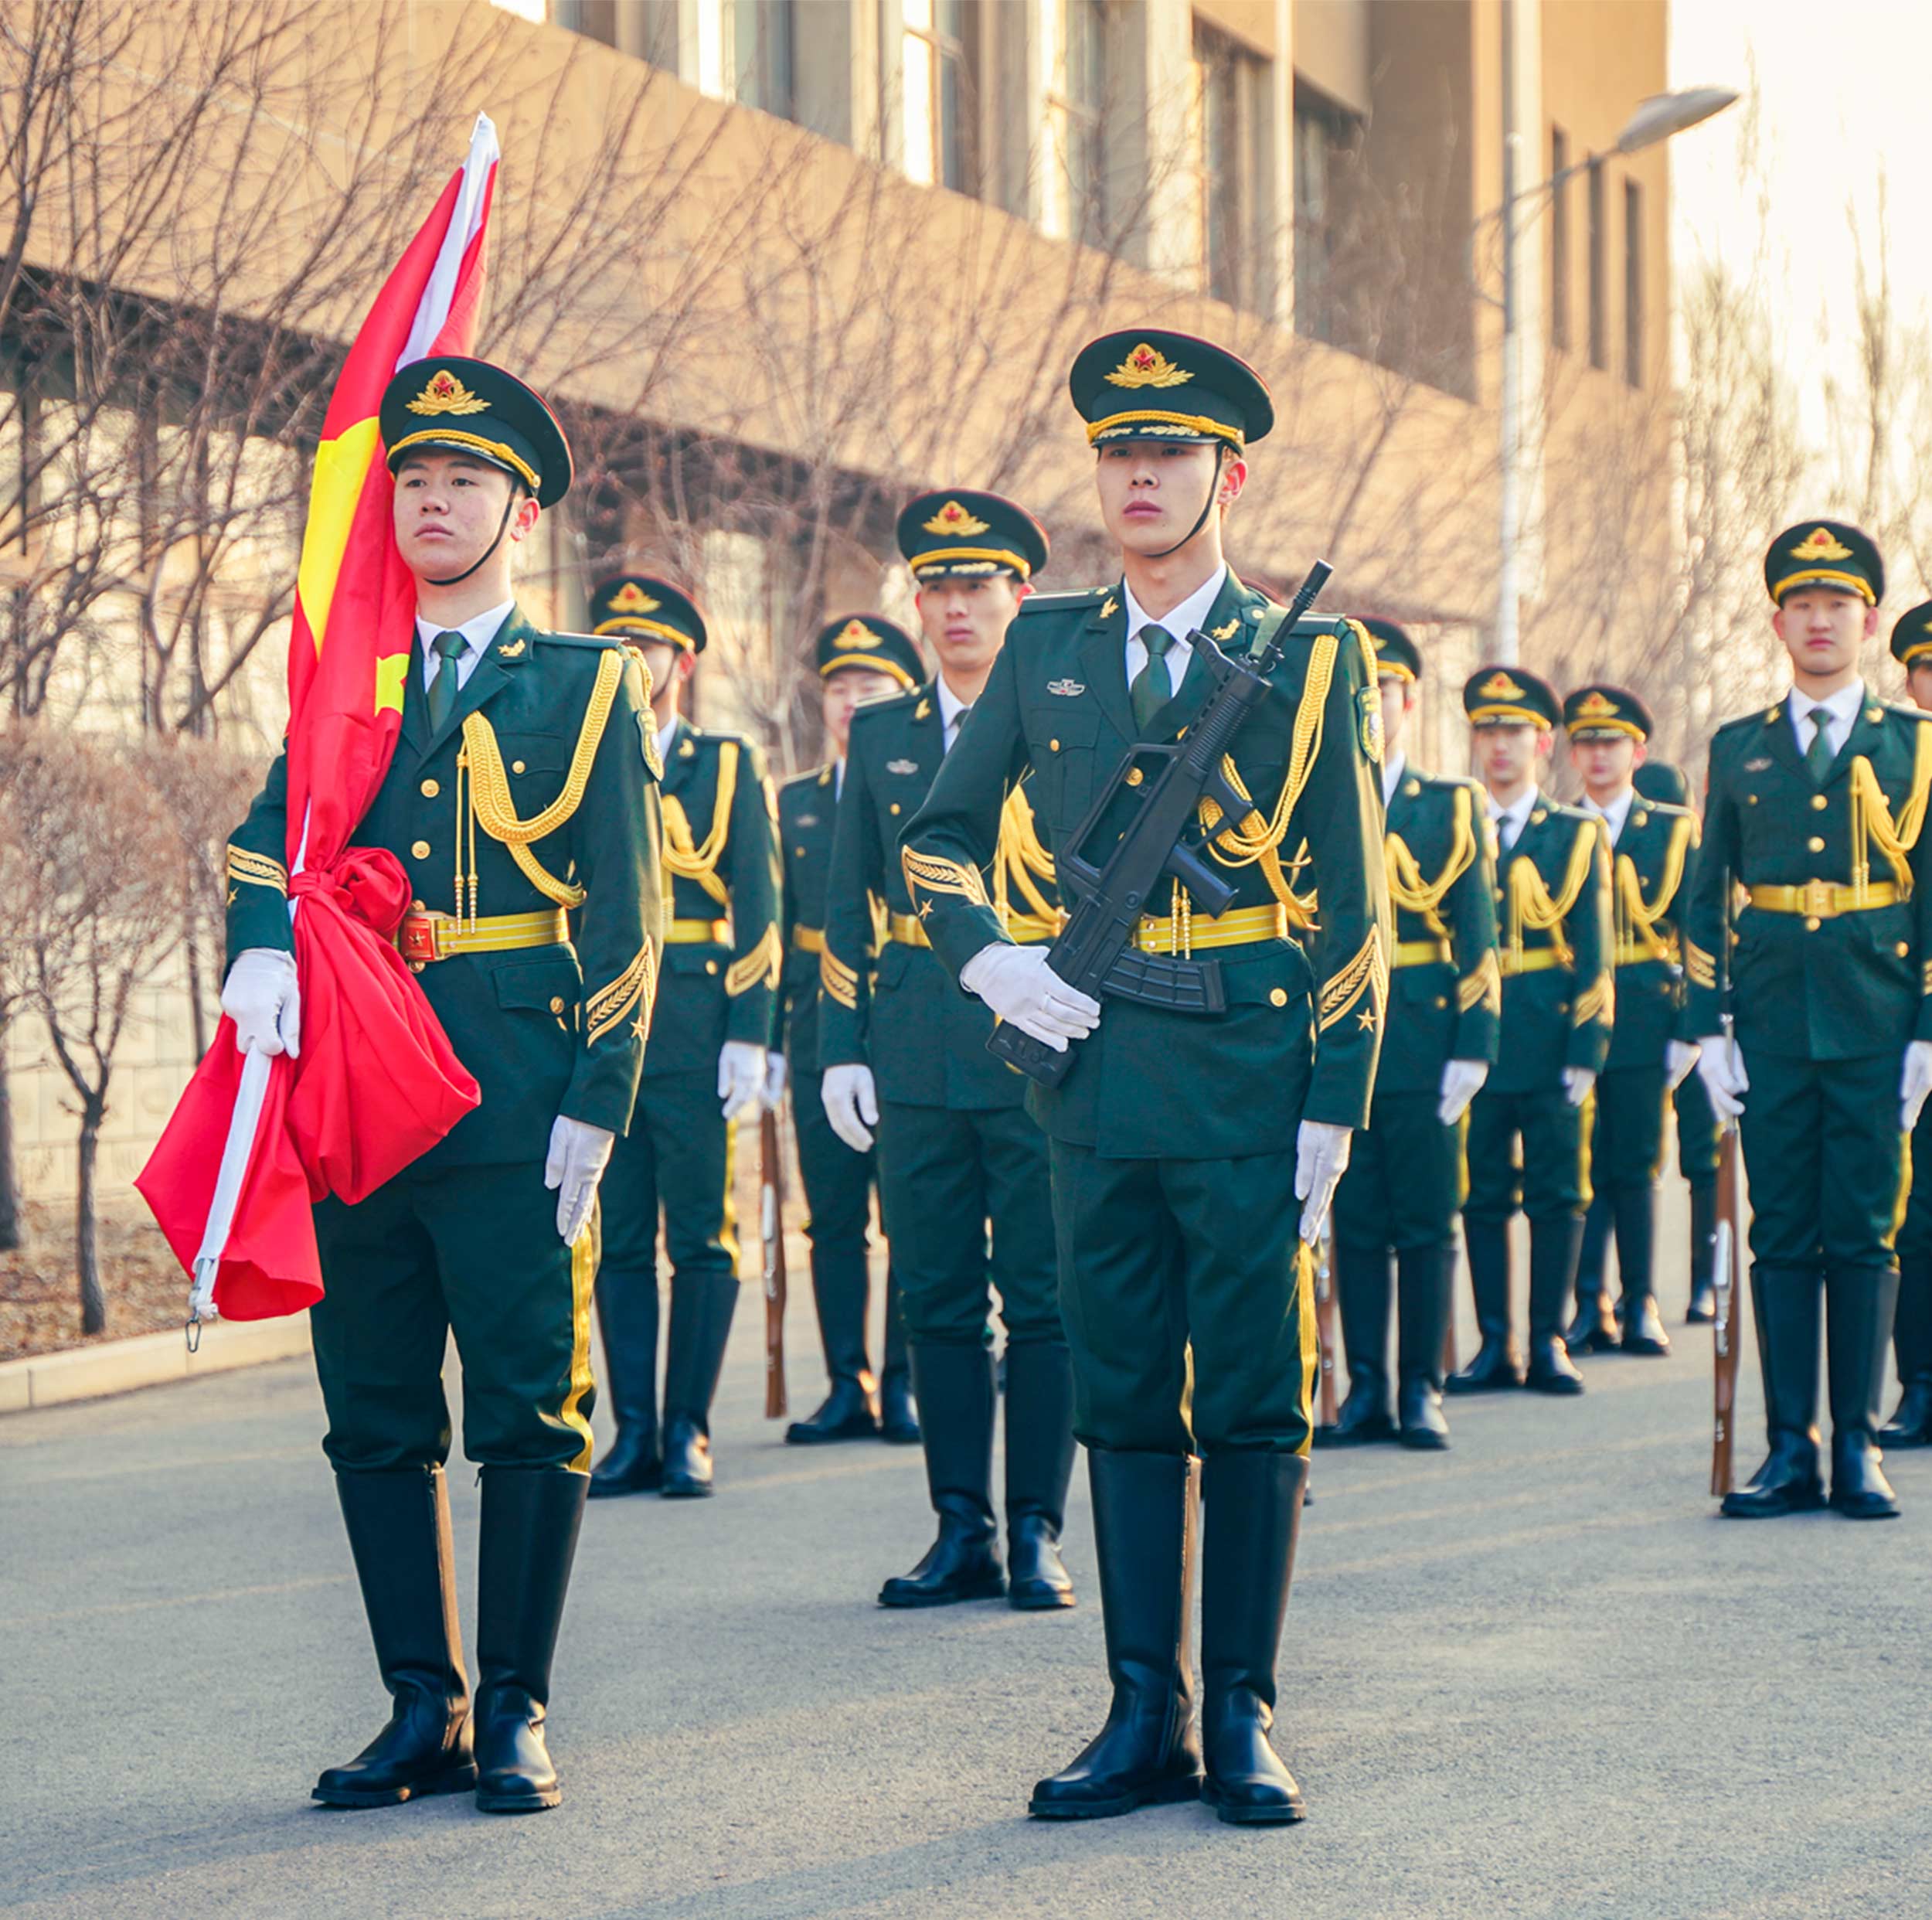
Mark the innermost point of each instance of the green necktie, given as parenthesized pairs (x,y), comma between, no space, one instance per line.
(449,647)
(1818,756)
(1152,688)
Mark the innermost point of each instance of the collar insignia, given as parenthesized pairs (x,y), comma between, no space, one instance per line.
(1067,689)
(1148,366)
(1109,608)
(512,649)
(902,766)
(855,634)
(1820,544)
(953,518)
(1227,632)
(446,394)
(923,711)
(685,749)
(1499,686)
(631,598)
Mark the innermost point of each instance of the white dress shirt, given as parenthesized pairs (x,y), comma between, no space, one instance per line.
(666,734)
(1510,821)
(1189,617)
(952,712)
(1392,773)
(478,631)
(1614,816)
(1843,707)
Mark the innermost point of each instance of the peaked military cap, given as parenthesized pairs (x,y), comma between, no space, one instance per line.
(1507,696)
(1825,553)
(1151,385)
(1658,780)
(1602,712)
(1912,637)
(453,405)
(1395,653)
(650,608)
(960,534)
(864,640)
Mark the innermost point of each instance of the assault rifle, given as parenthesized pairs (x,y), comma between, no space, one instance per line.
(1110,886)
(771,1233)
(1727,1262)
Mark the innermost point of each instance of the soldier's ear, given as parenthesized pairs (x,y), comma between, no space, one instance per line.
(1871,622)
(524,519)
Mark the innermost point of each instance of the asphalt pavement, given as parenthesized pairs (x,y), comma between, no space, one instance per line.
(1532,1677)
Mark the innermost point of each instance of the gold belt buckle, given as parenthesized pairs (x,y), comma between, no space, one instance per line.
(419,938)
(1818,898)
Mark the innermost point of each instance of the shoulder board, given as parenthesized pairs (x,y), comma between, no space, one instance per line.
(707,737)
(1668,810)
(1899,710)
(798,782)
(1441,783)
(600,642)
(1758,717)
(875,710)
(1062,602)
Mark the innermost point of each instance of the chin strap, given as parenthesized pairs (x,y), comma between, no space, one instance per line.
(502,527)
(1208,506)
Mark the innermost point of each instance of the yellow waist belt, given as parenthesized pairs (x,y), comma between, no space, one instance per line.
(1422,953)
(700,933)
(425,936)
(1823,900)
(907,930)
(1027,930)
(1634,953)
(1239,927)
(808,940)
(1538,960)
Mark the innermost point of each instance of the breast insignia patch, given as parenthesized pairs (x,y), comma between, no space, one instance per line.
(902,766)
(1757,766)
(1066,689)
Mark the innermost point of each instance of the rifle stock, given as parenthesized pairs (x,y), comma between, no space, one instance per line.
(771,1229)
(1323,1257)
(1728,1255)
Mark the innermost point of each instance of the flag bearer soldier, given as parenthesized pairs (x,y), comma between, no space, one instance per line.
(705,1072)
(906,1053)
(1815,812)
(860,658)
(1911,1425)
(1553,903)
(1404,1183)
(1181,1141)
(1653,867)
(521,790)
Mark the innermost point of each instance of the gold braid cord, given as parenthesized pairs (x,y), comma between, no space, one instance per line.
(1531,907)
(840,982)
(1482,987)
(757,967)
(1872,825)
(1700,966)
(1597,1002)
(682,855)
(637,985)
(1020,862)
(1409,892)
(492,806)
(1637,918)
(1368,972)
(256,870)
(934,873)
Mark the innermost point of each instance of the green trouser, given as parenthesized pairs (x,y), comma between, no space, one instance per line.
(1405,1178)
(471,1249)
(1626,1143)
(1189,1308)
(1552,1177)
(1697,1131)
(946,1174)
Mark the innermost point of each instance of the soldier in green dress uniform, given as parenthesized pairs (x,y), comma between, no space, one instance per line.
(1182,1141)
(522,790)
(903,1051)
(1653,867)
(860,658)
(706,1074)
(1553,903)
(1911,1425)
(1813,824)
(1404,1183)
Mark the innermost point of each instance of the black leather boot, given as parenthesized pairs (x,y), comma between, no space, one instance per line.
(1039,1463)
(1252,1506)
(1497,1364)
(1785,1305)
(398,1532)
(1425,1278)
(531,1516)
(1553,1269)
(627,1318)
(1361,1286)
(1703,1254)
(1593,1330)
(840,1288)
(1636,1263)
(898,1411)
(1149,1753)
(845,1414)
(1859,1303)
(956,1403)
(1911,1426)
(701,1313)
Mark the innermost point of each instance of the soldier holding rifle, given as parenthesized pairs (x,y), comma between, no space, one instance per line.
(1219,1081)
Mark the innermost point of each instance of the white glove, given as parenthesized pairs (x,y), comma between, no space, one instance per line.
(261,997)
(1320,1159)
(1461,1082)
(1578,1082)
(774,1092)
(1025,992)
(741,1078)
(1721,1067)
(1679,1057)
(579,1154)
(1915,1082)
(851,1104)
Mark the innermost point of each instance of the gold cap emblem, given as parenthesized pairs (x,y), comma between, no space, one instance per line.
(1499,686)
(855,634)
(1148,367)
(446,394)
(953,518)
(631,598)
(1596,705)
(1820,544)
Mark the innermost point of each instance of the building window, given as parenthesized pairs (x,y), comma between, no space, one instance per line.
(940,98)
(1599,325)
(1230,91)
(1559,240)
(1073,62)
(1326,139)
(1633,283)
(761,55)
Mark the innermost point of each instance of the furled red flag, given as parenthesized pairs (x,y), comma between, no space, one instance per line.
(254,1142)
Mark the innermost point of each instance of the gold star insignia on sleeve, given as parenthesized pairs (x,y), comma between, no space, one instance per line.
(1366,1019)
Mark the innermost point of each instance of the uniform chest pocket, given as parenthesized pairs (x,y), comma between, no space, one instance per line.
(536,766)
(1063,744)
(550,987)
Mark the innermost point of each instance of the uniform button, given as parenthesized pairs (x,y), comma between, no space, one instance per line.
(516,766)
(420,850)
(431,788)
(1816,843)
(1277,996)
(1811,923)
(797,853)
(894,808)
(1440,1001)
(1905,950)
(1134,776)
(1052,746)
(1819,802)
(556,1003)
(1750,799)
(711,966)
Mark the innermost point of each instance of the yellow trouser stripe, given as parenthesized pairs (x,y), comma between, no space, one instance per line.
(584,1273)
